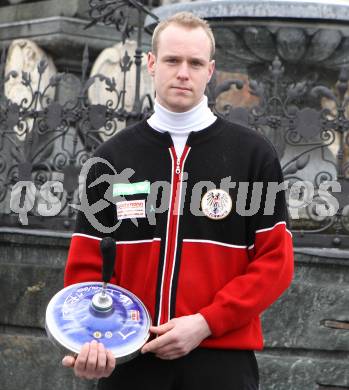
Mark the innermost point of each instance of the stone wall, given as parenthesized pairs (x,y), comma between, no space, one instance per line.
(31,272)
(302,352)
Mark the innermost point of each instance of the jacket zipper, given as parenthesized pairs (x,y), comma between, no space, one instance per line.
(178,166)
(172,235)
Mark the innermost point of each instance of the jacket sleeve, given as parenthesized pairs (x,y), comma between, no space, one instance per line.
(96,219)
(270,269)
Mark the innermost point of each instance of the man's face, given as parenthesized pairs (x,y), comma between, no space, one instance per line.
(181,68)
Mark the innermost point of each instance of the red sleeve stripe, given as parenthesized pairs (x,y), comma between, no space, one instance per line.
(271,228)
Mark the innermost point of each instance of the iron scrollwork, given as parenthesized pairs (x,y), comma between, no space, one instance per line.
(43,141)
(301,134)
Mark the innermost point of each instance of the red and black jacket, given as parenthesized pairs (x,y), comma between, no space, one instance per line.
(176,261)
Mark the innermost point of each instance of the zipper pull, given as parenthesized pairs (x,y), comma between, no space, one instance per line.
(178,169)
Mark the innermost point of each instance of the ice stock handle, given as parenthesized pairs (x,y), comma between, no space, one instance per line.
(108,251)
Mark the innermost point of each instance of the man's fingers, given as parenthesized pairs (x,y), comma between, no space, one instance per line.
(171,351)
(68,361)
(161,329)
(168,349)
(91,364)
(81,360)
(157,343)
(93,361)
(152,345)
(110,363)
(168,357)
(101,359)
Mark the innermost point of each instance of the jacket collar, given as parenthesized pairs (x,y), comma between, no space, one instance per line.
(195,137)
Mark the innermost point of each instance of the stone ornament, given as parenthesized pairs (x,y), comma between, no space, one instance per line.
(108,64)
(25,55)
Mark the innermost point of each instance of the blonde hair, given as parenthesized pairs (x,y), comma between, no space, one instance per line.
(184,19)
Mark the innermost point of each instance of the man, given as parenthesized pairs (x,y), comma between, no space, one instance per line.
(205,267)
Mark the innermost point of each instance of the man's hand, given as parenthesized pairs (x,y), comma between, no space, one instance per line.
(93,361)
(178,337)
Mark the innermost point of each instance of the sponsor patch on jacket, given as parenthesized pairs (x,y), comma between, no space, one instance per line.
(131,209)
(141,187)
(216,204)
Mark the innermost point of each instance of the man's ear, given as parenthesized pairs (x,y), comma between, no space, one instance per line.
(151,63)
(211,69)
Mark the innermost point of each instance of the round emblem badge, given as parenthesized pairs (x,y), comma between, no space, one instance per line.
(216,204)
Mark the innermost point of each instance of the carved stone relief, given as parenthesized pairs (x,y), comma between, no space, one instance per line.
(108,64)
(24,55)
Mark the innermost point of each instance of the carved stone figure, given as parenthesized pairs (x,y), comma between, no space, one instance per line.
(25,55)
(108,64)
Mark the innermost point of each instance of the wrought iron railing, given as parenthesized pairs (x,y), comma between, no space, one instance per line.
(44,141)
(300,134)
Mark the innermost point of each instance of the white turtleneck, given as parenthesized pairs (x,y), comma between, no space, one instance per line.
(180,124)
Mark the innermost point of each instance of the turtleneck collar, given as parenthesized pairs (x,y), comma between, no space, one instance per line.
(180,123)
